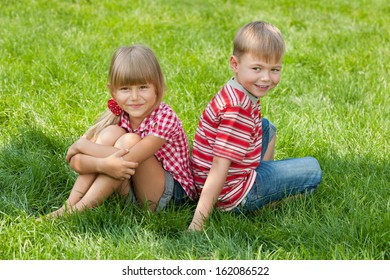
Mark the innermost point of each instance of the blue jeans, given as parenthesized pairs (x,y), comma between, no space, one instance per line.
(278,179)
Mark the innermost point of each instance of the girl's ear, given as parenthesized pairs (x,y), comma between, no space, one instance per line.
(233,63)
(109,87)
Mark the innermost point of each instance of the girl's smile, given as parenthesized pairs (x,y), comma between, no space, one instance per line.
(137,100)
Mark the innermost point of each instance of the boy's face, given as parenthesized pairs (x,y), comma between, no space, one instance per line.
(256,75)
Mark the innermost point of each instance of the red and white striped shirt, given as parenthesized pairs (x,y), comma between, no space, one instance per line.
(174,155)
(230,127)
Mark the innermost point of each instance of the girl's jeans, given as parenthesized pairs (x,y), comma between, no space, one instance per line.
(280,178)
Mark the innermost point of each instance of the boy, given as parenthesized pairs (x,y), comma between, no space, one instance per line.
(233,148)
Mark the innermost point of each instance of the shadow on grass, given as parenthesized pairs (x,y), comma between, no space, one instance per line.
(347,218)
(33,172)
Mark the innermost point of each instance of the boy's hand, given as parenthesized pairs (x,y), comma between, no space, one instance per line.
(195,226)
(211,190)
(116,167)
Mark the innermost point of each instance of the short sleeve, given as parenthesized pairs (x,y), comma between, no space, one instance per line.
(166,124)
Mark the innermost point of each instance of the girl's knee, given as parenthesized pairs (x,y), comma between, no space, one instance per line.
(127,140)
(109,135)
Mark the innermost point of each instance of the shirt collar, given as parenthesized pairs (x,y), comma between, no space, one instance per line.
(148,119)
(232,82)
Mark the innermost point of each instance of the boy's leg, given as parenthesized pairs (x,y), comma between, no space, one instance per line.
(269,140)
(276,180)
(270,152)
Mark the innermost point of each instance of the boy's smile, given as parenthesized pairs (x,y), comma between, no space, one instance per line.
(256,75)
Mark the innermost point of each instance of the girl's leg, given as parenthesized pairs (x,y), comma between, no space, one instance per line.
(149,179)
(104,186)
(149,182)
(276,180)
(108,136)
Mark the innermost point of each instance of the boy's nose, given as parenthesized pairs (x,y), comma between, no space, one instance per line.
(264,76)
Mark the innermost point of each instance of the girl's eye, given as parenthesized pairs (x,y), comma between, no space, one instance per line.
(256,68)
(275,70)
(144,87)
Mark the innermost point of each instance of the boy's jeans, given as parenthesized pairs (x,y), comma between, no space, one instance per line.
(280,178)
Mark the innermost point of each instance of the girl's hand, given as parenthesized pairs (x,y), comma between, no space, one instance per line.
(74,149)
(116,167)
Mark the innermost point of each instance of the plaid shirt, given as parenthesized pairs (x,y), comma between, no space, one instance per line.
(174,155)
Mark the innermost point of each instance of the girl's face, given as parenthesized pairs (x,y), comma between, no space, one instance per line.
(136,100)
(256,75)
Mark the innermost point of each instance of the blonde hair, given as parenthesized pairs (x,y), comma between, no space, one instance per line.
(260,39)
(133,65)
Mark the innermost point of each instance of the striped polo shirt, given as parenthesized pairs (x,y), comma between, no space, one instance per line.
(230,127)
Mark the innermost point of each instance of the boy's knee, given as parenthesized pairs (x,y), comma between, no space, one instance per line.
(315,170)
(127,140)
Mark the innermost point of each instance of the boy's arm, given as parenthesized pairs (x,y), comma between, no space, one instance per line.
(211,190)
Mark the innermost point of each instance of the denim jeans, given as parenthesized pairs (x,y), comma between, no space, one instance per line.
(278,179)
(173,193)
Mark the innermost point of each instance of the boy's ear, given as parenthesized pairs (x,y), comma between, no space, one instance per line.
(233,63)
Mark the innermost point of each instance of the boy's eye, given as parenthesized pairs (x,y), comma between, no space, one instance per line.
(256,68)
(276,70)
(144,87)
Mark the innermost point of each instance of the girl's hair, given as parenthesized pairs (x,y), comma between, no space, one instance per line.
(261,39)
(133,65)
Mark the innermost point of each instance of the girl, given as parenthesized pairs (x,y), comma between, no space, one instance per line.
(139,137)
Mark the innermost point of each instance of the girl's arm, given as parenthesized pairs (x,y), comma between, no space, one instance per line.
(86,156)
(211,190)
(113,165)
(88,147)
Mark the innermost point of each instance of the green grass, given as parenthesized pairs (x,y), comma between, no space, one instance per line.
(333,103)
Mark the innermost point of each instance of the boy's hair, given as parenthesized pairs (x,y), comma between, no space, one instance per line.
(260,39)
(133,65)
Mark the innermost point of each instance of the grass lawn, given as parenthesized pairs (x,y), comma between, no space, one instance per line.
(333,103)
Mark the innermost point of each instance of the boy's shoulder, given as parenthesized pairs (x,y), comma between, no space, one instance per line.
(232,96)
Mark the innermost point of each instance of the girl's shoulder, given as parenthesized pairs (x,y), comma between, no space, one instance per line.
(165,114)
(165,110)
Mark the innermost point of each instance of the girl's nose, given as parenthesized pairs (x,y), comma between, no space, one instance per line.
(133,94)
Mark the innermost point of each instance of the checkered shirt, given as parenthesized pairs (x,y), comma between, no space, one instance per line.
(174,155)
